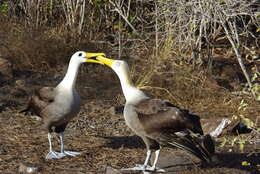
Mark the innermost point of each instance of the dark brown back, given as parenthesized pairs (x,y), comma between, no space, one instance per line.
(40,99)
(159,115)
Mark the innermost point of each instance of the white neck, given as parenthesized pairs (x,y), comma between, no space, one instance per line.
(69,80)
(131,93)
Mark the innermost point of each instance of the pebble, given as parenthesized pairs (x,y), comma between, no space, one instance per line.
(26,167)
(20,83)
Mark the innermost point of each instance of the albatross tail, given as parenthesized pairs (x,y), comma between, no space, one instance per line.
(200,146)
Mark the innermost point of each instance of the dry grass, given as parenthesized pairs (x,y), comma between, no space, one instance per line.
(195,90)
(43,49)
(102,138)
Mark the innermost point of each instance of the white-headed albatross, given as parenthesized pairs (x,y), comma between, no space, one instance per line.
(158,122)
(58,105)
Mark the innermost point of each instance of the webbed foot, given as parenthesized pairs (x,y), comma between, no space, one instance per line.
(138,167)
(154,169)
(70,153)
(54,155)
(147,168)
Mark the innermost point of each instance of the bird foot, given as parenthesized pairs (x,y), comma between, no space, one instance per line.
(154,169)
(70,153)
(54,155)
(141,167)
(137,167)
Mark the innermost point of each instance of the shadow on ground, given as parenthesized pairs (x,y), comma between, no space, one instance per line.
(234,161)
(176,161)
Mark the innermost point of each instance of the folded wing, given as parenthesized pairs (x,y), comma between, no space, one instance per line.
(173,126)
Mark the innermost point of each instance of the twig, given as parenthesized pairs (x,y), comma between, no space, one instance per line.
(118,9)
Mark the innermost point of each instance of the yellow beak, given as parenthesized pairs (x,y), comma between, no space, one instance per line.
(104,60)
(88,57)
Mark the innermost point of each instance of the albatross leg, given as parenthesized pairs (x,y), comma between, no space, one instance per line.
(142,167)
(52,154)
(65,152)
(154,168)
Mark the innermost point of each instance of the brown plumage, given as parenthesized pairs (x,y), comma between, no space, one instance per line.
(39,104)
(58,105)
(157,115)
(161,121)
(158,122)
(40,99)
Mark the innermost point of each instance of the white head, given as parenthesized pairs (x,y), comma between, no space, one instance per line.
(76,59)
(121,68)
(81,57)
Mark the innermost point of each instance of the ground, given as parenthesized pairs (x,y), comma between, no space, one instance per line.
(98,133)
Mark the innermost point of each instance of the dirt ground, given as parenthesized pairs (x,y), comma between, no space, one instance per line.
(99,134)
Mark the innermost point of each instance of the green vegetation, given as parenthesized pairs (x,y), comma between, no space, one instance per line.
(4,8)
(243,140)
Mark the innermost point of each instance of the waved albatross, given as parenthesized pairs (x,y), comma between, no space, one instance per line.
(158,122)
(58,105)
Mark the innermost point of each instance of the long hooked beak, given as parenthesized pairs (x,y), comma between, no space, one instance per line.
(104,60)
(91,57)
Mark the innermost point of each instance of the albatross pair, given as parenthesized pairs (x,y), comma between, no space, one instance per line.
(158,122)
(57,106)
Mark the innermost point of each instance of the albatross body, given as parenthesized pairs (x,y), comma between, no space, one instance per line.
(58,105)
(158,122)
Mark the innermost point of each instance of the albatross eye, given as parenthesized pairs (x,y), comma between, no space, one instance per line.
(80,54)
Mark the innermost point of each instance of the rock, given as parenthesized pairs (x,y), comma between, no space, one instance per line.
(5,69)
(176,161)
(111,170)
(26,167)
(224,126)
(210,125)
(220,128)
(171,161)
(20,83)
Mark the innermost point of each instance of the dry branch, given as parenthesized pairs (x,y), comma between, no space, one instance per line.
(197,24)
(119,9)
